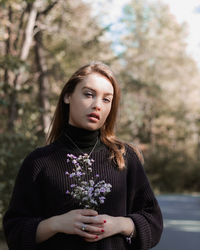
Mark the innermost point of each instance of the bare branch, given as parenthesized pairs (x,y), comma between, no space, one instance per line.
(49,7)
(15,44)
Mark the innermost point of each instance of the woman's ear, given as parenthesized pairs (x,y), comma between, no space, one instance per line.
(66,99)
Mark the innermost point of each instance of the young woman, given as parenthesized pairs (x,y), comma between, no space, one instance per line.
(42,216)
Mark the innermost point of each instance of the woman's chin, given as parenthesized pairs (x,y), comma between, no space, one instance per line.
(91,127)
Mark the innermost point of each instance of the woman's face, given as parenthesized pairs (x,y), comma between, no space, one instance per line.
(90,103)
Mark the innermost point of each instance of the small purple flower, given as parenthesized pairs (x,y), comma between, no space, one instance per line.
(91,182)
(101,199)
(97,175)
(73,185)
(90,194)
(78,173)
(71,156)
(102,189)
(91,189)
(67,192)
(67,173)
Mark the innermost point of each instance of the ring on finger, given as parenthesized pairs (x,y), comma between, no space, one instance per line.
(83,228)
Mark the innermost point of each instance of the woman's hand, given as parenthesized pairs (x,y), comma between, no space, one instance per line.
(73,222)
(96,227)
(113,225)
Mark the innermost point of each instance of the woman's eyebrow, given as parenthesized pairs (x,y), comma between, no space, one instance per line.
(95,91)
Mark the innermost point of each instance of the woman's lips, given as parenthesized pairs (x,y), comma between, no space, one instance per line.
(93,117)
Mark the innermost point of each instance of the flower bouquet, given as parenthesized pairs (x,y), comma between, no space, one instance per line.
(86,190)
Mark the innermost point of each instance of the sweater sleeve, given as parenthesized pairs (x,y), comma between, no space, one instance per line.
(143,208)
(24,214)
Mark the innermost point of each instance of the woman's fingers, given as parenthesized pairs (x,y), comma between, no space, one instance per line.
(92,229)
(93,220)
(88,232)
(68,222)
(83,222)
(88,212)
(85,234)
(93,225)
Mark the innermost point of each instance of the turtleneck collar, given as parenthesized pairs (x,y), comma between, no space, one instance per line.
(84,139)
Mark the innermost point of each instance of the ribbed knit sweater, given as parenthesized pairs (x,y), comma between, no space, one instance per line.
(40,193)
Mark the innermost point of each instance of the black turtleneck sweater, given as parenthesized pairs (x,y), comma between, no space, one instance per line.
(40,193)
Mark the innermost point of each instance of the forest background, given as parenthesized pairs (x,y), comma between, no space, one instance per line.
(42,42)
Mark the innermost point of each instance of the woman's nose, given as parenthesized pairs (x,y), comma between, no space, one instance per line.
(97,105)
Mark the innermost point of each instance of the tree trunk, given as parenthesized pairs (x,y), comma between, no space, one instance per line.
(7,51)
(42,82)
(8,77)
(17,81)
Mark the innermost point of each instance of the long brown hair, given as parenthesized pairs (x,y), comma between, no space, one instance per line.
(61,115)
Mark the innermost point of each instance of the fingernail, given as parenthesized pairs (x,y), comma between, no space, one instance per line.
(96,237)
(104,221)
(102,230)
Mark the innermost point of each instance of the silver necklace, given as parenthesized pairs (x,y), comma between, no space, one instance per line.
(79,148)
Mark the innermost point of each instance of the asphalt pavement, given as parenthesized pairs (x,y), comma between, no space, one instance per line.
(181,215)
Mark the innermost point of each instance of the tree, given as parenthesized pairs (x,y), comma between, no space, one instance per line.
(62,38)
(160,88)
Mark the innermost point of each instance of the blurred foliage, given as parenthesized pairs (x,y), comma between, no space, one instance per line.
(14,148)
(172,171)
(160,102)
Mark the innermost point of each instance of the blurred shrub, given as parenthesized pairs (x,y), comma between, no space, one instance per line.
(172,171)
(14,148)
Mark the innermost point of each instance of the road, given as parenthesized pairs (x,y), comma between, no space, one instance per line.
(181,222)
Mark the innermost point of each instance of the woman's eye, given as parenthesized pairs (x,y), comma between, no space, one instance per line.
(88,94)
(107,100)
